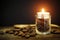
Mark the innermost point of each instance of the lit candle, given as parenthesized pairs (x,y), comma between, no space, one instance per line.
(43,21)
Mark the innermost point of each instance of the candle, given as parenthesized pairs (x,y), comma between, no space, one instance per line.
(43,21)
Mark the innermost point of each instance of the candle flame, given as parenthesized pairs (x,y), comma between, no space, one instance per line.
(43,10)
(43,14)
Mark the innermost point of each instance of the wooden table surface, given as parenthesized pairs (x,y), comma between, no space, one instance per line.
(37,37)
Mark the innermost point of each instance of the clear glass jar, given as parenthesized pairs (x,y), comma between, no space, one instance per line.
(43,22)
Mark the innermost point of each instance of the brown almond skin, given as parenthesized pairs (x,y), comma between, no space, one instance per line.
(27,36)
(7,31)
(20,33)
(11,32)
(16,33)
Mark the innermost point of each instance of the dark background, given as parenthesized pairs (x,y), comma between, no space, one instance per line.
(24,11)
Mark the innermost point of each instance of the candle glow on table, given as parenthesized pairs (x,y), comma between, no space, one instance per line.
(43,21)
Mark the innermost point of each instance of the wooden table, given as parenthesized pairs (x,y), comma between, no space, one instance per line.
(5,36)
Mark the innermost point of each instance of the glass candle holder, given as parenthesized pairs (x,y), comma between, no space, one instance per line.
(43,21)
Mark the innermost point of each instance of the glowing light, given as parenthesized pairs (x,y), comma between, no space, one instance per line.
(43,10)
(43,13)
